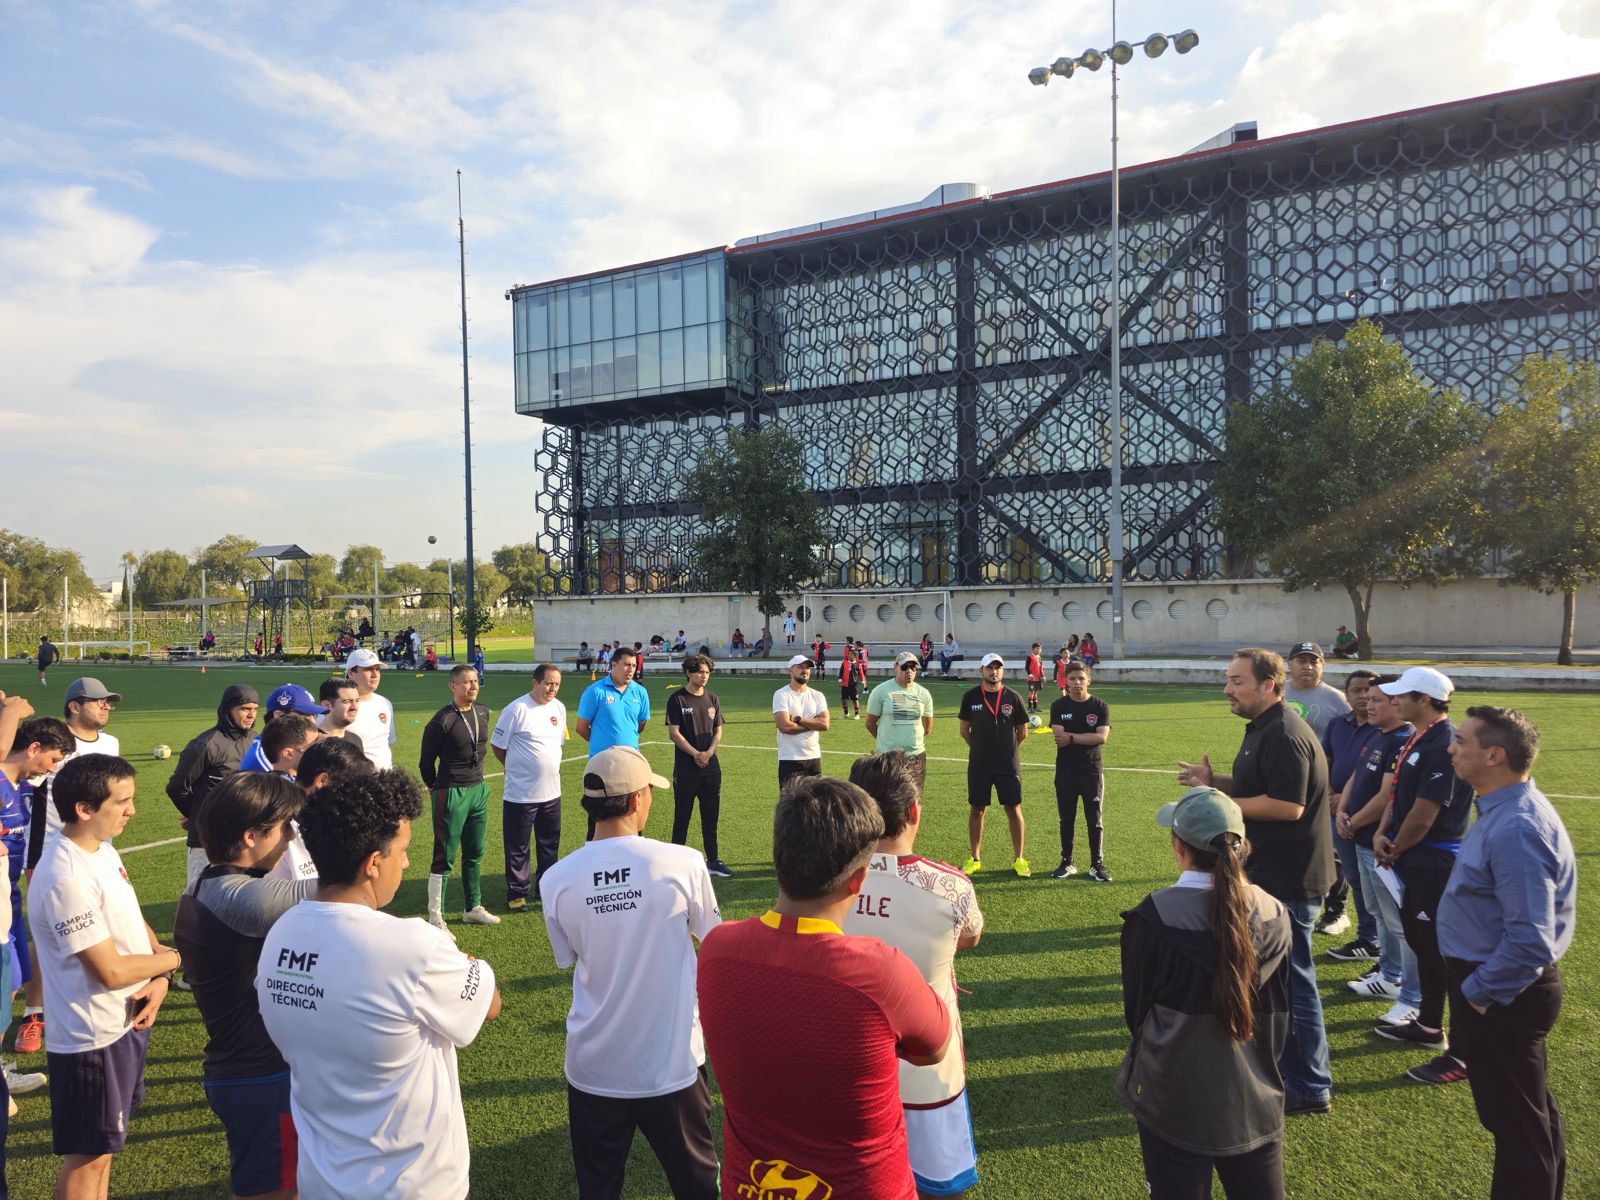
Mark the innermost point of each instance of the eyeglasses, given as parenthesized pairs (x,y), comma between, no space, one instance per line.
(96,700)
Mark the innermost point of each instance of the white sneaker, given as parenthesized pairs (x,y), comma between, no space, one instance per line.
(1333,928)
(437,921)
(1398,1015)
(1374,987)
(21,1083)
(479,916)
(11,1103)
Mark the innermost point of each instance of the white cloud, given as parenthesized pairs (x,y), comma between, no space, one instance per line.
(73,239)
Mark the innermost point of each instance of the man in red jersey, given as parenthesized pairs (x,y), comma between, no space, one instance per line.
(1035,673)
(805,1026)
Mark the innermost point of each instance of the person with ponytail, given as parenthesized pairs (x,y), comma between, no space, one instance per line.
(1206,996)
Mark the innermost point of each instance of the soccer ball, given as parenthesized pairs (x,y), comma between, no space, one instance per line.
(161,751)
(1035,721)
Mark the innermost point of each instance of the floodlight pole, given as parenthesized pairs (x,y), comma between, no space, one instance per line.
(1118,628)
(466,423)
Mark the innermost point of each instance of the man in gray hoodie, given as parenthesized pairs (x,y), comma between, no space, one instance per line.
(209,759)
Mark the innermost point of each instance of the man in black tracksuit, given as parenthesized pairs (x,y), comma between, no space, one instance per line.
(209,759)
(454,743)
(1081,724)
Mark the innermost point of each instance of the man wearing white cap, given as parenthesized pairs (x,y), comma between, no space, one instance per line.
(801,714)
(374,723)
(627,910)
(1420,836)
(994,724)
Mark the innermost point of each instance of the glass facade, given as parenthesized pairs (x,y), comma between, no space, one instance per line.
(648,331)
(948,372)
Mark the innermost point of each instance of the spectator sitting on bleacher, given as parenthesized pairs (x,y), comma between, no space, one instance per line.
(680,644)
(585,655)
(948,653)
(603,662)
(737,645)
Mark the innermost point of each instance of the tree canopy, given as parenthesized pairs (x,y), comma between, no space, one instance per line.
(1540,504)
(761,527)
(1355,469)
(33,572)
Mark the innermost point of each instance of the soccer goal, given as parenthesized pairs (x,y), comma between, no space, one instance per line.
(876,616)
(121,648)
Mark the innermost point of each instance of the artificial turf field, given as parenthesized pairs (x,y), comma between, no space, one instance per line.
(1042,1009)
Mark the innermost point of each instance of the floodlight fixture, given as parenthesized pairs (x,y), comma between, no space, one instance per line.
(1039,76)
(1185,41)
(1155,45)
(1063,67)
(1091,60)
(1121,53)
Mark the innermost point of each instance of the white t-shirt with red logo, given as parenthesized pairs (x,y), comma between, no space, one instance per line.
(368,1010)
(922,908)
(374,725)
(79,899)
(531,734)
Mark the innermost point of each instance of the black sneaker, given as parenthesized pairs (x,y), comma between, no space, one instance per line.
(1065,871)
(1411,1032)
(720,869)
(1295,1106)
(1446,1068)
(1099,874)
(1356,951)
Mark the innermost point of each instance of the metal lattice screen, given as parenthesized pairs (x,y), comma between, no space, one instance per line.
(948,377)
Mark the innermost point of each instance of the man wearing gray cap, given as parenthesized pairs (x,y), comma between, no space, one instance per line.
(87,709)
(627,910)
(900,715)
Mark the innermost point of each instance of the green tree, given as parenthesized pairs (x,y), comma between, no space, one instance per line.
(227,565)
(355,568)
(1354,470)
(1541,498)
(529,573)
(34,571)
(476,620)
(161,575)
(321,574)
(761,527)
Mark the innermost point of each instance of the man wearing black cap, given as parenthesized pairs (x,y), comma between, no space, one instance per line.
(627,910)
(208,759)
(1305,692)
(994,724)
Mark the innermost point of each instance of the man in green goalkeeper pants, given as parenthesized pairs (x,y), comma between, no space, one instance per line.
(454,744)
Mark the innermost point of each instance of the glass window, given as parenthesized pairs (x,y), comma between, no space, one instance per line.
(622,306)
(694,293)
(600,305)
(694,354)
(671,358)
(561,334)
(538,378)
(580,313)
(536,322)
(561,377)
(600,368)
(671,279)
(649,302)
(717,349)
(625,364)
(581,383)
(649,362)
(715,300)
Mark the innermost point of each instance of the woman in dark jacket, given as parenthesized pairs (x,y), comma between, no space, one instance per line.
(1207,1001)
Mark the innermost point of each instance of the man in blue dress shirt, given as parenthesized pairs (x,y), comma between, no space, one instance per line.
(1505,919)
(614,709)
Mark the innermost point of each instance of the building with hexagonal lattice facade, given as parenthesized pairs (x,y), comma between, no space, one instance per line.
(946,364)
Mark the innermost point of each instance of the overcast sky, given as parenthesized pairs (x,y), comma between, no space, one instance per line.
(228,293)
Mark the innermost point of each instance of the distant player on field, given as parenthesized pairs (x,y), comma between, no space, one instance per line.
(1035,673)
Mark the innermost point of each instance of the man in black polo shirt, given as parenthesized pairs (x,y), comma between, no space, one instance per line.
(454,743)
(1428,816)
(993,724)
(1081,724)
(1280,782)
(694,723)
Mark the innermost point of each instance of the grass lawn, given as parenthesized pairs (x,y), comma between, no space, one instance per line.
(1043,1015)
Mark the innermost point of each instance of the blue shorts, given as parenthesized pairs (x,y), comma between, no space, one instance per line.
(262,1147)
(94,1092)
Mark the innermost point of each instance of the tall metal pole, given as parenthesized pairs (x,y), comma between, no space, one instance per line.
(1118,645)
(450,601)
(466,423)
(127,586)
(66,620)
(5,616)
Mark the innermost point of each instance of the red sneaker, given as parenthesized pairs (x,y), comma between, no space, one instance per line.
(30,1034)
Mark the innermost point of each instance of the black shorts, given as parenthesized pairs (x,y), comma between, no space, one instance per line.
(980,783)
(93,1093)
(792,768)
(848,692)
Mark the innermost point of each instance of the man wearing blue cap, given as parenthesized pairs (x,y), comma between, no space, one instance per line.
(290,698)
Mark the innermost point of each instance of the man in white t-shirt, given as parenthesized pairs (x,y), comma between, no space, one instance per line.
(801,714)
(368,1009)
(926,910)
(627,910)
(105,974)
(527,740)
(374,723)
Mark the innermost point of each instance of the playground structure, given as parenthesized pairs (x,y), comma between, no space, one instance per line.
(274,600)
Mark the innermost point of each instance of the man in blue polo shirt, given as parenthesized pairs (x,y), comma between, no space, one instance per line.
(614,710)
